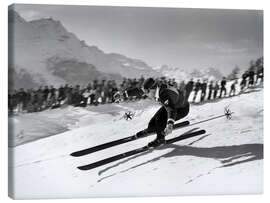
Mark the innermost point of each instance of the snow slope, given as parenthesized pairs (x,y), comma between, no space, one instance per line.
(228,159)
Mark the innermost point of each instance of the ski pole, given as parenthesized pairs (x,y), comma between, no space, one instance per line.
(227,113)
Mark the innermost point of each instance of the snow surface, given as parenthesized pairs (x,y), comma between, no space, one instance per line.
(228,159)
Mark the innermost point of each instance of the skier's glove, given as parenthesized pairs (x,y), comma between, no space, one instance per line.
(169,128)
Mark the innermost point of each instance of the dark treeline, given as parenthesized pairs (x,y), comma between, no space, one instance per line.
(102,91)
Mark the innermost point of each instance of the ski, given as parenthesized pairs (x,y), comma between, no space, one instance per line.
(137,151)
(120,141)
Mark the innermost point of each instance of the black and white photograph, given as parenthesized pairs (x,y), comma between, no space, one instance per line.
(118,101)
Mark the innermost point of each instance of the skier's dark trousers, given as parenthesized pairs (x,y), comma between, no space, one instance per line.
(174,107)
(159,121)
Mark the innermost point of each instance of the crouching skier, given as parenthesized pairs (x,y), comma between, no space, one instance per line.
(175,106)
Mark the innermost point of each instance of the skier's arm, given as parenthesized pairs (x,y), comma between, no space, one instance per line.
(171,115)
(171,119)
(169,98)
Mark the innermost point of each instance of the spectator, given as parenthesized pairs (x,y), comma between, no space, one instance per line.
(232,91)
(244,80)
(45,94)
(22,98)
(14,100)
(197,88)
(251,78)
(223,87)
(211,88)
(203,88)
(40,99)
(259,72)
(216,89)
(61,93)
(189,88)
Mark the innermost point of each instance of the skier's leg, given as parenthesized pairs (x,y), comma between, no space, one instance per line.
(158,122)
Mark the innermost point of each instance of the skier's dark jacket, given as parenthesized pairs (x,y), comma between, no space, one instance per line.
(169,97)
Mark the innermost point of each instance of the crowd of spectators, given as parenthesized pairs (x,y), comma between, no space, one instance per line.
(96,92)
(102,91)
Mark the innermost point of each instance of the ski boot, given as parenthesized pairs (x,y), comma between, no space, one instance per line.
(158,141)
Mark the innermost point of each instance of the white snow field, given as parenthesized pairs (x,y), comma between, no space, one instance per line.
(228,159)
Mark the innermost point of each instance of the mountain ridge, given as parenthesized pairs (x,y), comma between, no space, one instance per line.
(47,40)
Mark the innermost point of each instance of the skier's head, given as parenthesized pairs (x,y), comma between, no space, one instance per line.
(149,87)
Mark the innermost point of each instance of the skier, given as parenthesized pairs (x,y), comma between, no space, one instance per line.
(174,107)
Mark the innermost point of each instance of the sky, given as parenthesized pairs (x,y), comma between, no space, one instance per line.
(178,37)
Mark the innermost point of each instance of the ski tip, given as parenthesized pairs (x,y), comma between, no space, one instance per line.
(200,132)
(73,154)
(204,131)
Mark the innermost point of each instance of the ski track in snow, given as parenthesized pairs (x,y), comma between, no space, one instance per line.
(231,152)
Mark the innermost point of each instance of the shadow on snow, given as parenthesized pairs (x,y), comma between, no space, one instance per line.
(227,155)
